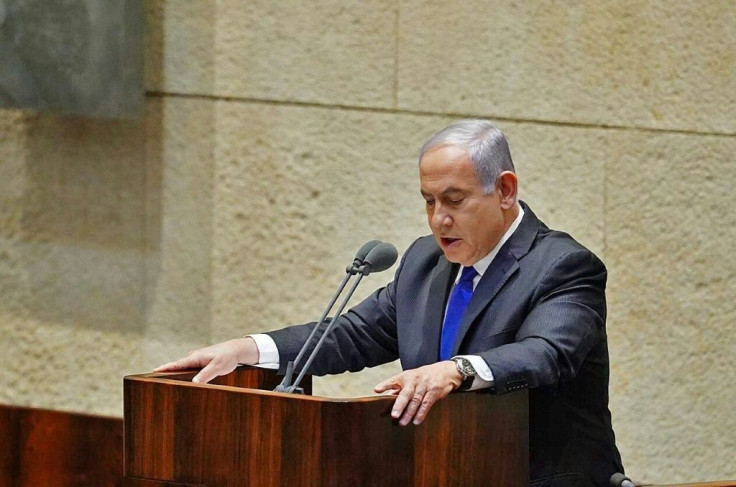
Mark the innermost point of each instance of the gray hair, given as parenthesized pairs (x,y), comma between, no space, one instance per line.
(485,144)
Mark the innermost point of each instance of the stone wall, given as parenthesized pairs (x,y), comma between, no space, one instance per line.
(279,136)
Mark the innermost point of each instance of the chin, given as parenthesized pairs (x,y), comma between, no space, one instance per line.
(454,258)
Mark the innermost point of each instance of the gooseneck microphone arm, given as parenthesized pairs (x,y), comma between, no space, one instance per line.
(380,258)
(330,326)
(286,381)
(350,271)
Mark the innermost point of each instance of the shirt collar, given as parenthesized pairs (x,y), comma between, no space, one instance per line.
(482,265)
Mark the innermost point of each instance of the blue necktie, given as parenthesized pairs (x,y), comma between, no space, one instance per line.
(459,299)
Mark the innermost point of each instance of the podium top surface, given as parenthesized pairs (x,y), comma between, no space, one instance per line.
(232,383)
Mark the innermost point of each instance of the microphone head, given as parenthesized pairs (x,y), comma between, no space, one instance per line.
(380,258)
(363,251)
(620,480)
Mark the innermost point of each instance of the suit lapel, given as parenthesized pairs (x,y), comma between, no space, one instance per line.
(439,289)
(504,265)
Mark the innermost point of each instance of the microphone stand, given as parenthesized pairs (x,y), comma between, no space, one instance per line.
(285,385)
(374,256)
(362,271)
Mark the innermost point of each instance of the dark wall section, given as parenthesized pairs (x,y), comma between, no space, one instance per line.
(81,57)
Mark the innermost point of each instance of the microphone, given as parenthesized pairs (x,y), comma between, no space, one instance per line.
(361,254)
(351,270)
(379,258)
(621,480)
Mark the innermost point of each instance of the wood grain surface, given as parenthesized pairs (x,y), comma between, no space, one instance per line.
(220,435)
(52,448)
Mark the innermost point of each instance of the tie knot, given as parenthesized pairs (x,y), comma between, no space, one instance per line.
(468,274)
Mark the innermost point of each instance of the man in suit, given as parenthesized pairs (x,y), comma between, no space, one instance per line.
(492,300)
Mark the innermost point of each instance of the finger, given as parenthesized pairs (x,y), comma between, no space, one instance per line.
(413,405)
(181,364)
(391,384)
(402,400)
(391,392)
(208,373)
(429,399)
(164,367)
(215,368)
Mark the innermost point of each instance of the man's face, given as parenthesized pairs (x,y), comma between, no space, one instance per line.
(466,223)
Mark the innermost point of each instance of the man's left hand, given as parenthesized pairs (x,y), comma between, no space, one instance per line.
(418,389)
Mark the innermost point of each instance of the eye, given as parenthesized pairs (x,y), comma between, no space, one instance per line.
(457,201)
(429,202)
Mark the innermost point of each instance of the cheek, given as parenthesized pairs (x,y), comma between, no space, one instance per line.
(478,229)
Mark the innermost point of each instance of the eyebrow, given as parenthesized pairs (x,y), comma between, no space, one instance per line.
(445,192)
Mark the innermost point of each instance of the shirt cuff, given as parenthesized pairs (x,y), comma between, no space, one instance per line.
(484,376)
(268,353)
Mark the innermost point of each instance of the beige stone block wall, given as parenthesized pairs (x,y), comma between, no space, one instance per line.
(105,250)
(327,52)
(633,63)
(72,281)
(299,190)
(279,136)
(178,227)
(669,249)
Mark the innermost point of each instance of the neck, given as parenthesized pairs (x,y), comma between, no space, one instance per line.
(510,215)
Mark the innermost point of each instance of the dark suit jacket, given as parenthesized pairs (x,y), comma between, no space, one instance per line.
(537,317)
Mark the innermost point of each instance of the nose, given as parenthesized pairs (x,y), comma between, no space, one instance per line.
(440,218)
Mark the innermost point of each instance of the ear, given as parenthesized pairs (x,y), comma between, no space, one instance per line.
(506,188)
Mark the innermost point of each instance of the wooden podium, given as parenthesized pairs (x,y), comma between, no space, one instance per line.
(236,432)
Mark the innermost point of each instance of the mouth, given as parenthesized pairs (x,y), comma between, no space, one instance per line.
(449,241)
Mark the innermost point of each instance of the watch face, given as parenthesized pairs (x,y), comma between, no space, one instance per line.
(468,367)
(467,370)
(465,367)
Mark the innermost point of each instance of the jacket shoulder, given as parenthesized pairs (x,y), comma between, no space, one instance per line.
(553,245)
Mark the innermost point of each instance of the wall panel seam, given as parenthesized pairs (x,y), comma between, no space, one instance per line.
(429,113)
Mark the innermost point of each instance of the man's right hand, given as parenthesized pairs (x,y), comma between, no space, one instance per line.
(215,360)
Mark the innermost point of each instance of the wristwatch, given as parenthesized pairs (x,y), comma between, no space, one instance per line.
(467,370)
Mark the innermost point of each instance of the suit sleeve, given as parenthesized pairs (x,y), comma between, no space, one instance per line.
(565,321)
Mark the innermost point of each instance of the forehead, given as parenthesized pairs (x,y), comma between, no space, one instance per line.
(447,167)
